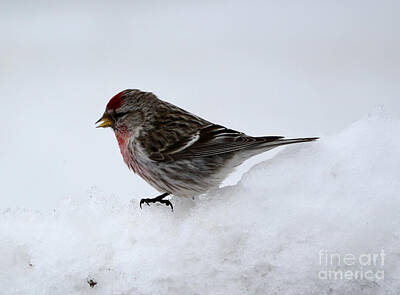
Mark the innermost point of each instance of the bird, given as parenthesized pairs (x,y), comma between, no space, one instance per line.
(175,151)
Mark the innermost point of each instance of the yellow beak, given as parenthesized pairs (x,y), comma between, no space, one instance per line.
(105,121)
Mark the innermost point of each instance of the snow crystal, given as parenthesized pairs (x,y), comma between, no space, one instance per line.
(268,234)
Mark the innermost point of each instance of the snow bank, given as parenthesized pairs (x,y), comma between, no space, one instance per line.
(269,234)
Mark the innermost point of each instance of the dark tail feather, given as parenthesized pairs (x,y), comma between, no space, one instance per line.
(296,140)
(267,143)
(283,141)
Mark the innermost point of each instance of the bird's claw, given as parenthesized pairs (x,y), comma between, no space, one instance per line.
(155,200)
(144,201)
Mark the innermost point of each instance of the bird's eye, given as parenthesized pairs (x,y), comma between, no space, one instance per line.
(117,116)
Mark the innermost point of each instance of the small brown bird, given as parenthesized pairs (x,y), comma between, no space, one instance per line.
(176,152)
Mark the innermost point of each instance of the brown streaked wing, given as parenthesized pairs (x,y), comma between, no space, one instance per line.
(208,141)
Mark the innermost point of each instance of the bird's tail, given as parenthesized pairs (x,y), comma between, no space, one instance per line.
(266,143)
(285,141)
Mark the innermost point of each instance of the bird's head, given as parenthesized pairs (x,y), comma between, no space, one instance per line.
(125,110)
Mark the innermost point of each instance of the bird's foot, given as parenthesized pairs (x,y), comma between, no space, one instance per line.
(159,199)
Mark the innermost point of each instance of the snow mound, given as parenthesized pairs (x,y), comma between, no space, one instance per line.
(272,233)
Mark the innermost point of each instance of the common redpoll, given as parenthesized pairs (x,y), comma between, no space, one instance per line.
(176,152)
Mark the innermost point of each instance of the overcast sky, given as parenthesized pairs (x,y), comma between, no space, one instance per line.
(293,68)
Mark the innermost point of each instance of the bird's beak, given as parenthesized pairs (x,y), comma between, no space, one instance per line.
(105,121)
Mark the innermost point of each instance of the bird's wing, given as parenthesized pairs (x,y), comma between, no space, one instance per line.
(208,141)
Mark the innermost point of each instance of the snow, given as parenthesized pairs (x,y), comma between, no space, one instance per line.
(260,236)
